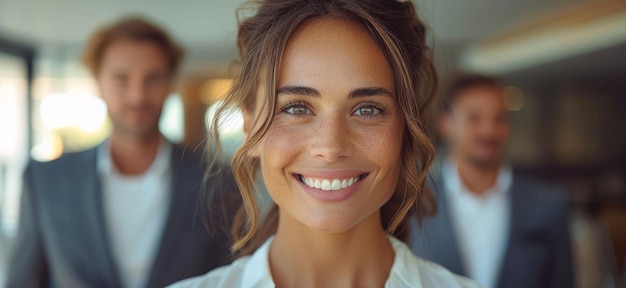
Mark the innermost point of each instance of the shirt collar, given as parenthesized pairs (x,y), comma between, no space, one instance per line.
(257,270)
(159,166)
(505,177)
(454,183)
(403,269)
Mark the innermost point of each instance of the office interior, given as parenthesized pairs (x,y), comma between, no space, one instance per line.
(563,61)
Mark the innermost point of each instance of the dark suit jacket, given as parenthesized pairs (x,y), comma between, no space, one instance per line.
(538,251)
(62,239)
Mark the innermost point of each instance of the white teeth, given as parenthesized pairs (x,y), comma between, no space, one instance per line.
(329,184)
(325,185)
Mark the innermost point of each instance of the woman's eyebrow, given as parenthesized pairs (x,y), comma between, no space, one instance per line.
(356,93)
(369,91)
(298,91)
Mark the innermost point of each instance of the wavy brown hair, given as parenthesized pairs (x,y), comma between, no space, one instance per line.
(395,27)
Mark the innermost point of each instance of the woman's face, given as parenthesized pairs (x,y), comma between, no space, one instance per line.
(331,158)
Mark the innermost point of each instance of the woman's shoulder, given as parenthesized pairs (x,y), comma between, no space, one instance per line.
(247,271)
(225,276)
(408,270)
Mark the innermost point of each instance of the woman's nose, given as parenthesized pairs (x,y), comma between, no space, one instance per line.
(332,138)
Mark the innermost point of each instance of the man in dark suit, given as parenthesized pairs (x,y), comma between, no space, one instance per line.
(493,225)
(124,213)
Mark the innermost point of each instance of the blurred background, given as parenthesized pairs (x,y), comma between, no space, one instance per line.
(564,62)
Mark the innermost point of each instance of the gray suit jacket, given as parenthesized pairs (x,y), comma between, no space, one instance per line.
(539,249)
(62,239)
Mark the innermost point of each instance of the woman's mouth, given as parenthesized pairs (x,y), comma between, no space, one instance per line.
(329,184)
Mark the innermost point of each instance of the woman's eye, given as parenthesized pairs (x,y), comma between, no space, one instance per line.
(297,110)
(367,111)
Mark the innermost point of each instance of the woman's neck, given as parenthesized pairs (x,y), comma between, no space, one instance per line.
(359,257)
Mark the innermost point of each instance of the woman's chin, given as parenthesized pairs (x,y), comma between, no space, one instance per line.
(328,222)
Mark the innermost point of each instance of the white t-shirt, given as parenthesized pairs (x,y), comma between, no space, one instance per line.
(253,271)
(481,223)
(135,211)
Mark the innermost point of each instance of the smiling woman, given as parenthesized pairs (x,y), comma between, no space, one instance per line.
(333,95)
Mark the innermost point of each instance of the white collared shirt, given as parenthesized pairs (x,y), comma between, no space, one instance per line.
(407,271)
(481,223)
(135,211)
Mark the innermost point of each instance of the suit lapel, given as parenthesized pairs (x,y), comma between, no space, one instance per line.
(525,247)
(447,234)
(179,201)
(90,192)
(438,241)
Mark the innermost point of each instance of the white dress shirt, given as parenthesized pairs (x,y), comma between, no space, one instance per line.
(407,271)
(135,210)
(481,223)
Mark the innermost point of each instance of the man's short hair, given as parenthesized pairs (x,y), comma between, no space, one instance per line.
(469,81)
(135,29)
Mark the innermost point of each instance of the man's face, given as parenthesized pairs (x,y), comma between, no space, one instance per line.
(134,80)
(478,126)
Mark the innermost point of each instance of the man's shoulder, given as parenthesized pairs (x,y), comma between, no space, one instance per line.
(66,160)
(410,271)
(188,152)
(536,187)
(549,203)
(193,159)
(225,276)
